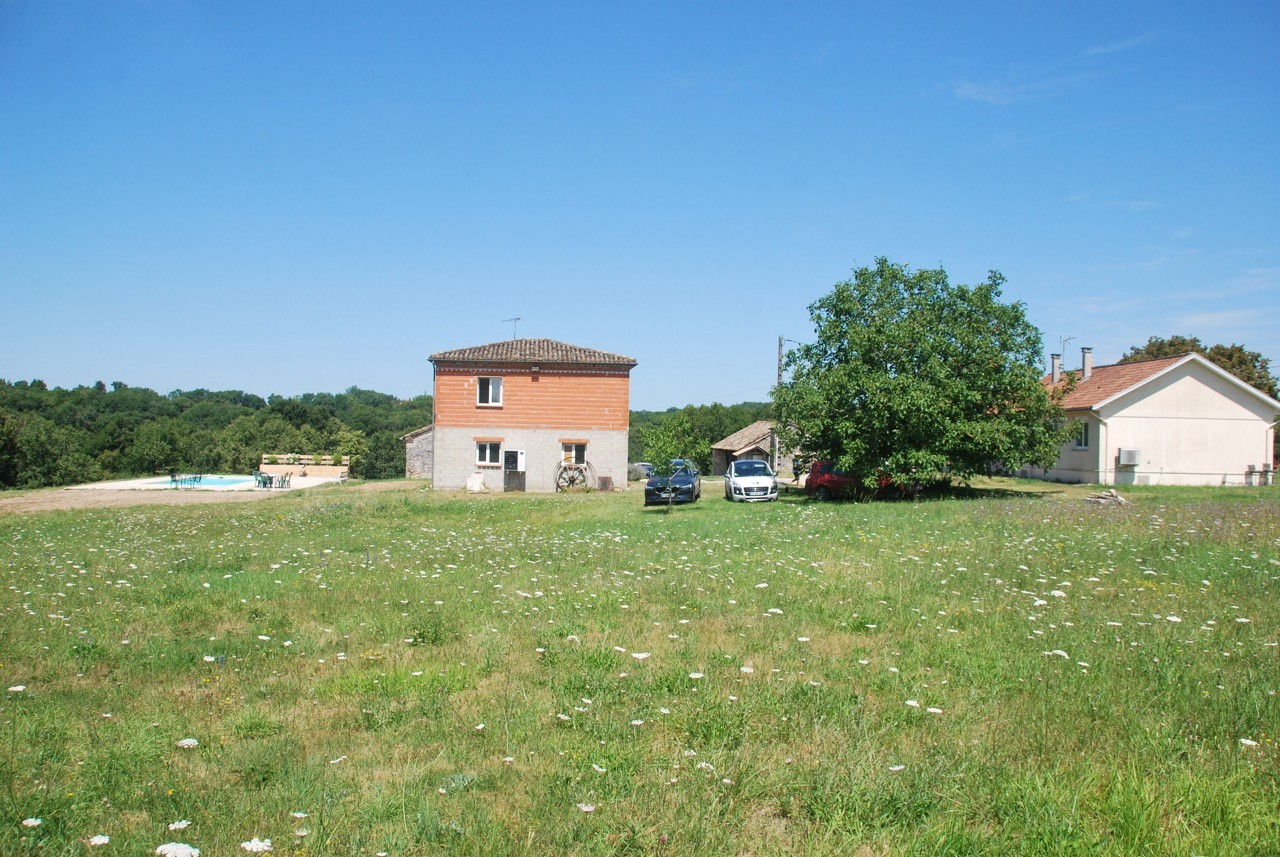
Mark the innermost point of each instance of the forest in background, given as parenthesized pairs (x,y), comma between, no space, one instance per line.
(52,436)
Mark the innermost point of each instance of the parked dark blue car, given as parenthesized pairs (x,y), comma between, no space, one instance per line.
(684,486)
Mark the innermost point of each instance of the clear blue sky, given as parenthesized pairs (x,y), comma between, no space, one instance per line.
(301,197)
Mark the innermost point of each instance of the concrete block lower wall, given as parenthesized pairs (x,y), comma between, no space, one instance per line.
(455,456)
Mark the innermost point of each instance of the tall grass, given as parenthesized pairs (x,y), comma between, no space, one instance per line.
(1010,673)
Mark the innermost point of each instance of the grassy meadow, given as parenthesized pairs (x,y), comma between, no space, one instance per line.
(408,672)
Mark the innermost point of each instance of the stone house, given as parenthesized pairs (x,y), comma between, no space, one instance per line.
(517,412)
(1168,421)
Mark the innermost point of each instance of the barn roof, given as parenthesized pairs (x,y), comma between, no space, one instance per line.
(747,437)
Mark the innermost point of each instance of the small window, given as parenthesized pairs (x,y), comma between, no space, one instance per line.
(488,454)
(488,391)
(1082,436)
(573,453)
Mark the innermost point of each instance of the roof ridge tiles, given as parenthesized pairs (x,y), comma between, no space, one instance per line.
(531,351)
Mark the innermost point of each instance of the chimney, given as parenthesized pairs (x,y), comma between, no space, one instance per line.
(1086,364)
(1055,368)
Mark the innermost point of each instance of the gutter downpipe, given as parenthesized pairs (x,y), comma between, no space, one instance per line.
(1269,475)
(1109,471)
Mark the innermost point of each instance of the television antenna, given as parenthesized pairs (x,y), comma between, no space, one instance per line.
(1062,343)
(515,322)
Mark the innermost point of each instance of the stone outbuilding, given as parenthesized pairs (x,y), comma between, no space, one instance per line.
(756,441)
(419,452)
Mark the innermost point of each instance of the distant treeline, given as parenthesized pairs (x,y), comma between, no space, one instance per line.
(700,425)
(52,436)
(61,437)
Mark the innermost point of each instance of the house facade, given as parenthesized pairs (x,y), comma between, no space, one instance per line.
(1169,421)
(516,412)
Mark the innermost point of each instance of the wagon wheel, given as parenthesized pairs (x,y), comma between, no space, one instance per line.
(570,475)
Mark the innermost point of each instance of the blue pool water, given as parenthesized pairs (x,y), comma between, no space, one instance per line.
(213,481)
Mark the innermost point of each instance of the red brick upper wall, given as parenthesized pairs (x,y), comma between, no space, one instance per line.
(552,398)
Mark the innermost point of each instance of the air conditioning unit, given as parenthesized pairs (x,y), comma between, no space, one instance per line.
(513,460)
(1130,457)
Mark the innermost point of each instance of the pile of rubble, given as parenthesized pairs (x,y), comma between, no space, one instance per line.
(1106,498)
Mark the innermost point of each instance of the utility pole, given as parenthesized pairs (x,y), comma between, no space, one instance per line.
(773,435)
(779,361)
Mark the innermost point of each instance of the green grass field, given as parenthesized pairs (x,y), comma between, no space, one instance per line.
(1012,672)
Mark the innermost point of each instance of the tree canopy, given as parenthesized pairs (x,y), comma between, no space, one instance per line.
(912,377)
(1249,366)
(692,428)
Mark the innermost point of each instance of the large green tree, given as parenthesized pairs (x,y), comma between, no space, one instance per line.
(1249,366)
(911,377)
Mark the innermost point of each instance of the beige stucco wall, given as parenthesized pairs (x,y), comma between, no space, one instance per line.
(1192,427)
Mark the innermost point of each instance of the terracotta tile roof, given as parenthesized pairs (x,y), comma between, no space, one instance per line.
(531,351)
(1109,381)
(758,430)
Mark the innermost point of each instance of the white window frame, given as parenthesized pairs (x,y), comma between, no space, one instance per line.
(569,453)
(1082,437)
(486,386)
(488,453)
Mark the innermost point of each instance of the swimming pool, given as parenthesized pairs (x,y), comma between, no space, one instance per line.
(210,482)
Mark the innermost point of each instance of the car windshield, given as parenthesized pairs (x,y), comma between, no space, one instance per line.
(751,468)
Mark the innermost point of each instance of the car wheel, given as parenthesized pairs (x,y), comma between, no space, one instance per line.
(823,493)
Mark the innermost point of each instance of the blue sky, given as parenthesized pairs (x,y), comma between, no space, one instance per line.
(301,197)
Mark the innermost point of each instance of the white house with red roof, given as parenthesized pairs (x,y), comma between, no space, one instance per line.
(1169,421)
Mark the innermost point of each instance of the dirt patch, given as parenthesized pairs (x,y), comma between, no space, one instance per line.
(54,499)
